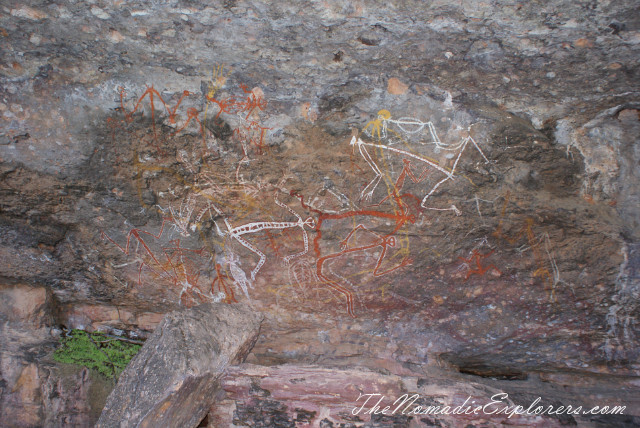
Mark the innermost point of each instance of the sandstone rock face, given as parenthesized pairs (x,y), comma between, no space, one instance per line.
(24,315)
(394,185)
(36,391)
(173,379)
(294,395)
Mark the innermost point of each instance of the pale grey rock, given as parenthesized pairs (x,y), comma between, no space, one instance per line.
(173,379)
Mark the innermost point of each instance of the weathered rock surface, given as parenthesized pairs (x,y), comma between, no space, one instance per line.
(298,395)
(37,391)
(173,379)
(125,197)
(23,321)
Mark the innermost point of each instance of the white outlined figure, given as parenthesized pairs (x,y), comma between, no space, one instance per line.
(181,217)
(406,123)
(238,232)
(367,192)
(302,274)
(408,126)
(411,126)
(551,278)
(238,275)
(555,280)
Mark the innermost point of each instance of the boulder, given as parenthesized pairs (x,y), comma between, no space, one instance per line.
(173,379)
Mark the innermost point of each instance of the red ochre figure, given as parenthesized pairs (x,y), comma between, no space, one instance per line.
(479,269)
(400,217)
(220,280)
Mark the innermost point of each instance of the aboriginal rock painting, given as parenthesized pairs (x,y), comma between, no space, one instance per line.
(225,215)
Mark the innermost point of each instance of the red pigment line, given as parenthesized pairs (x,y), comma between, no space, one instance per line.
(136,234)
(479,270)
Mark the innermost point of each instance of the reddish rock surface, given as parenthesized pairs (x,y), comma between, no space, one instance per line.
(292,395)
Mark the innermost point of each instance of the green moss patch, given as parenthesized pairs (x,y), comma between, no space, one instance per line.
(106,354)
